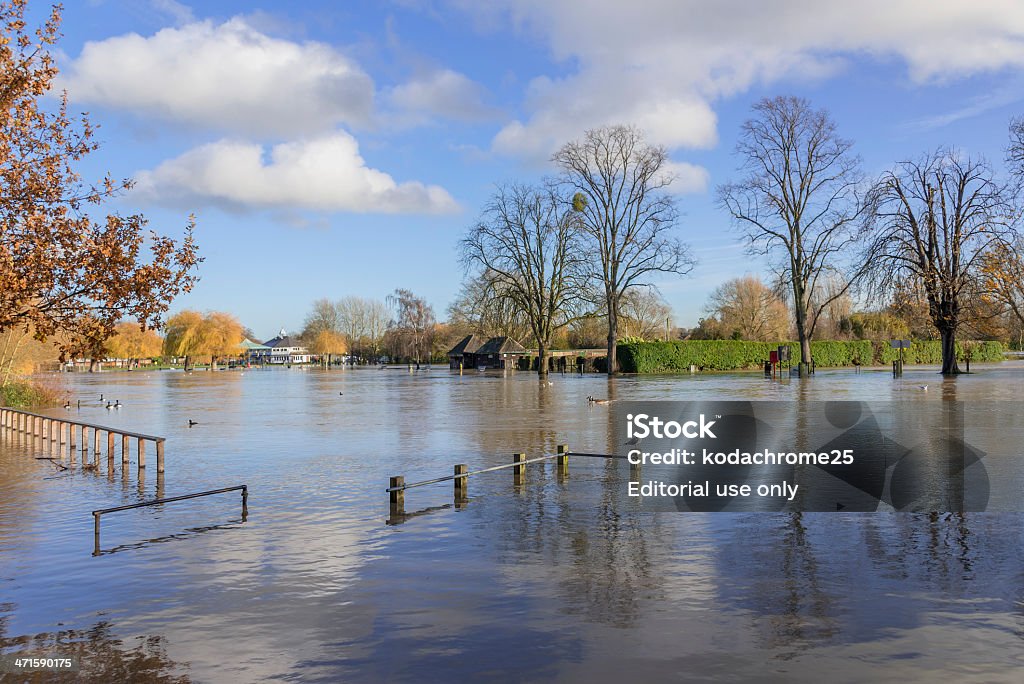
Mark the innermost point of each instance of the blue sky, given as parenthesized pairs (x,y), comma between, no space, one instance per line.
(333,149)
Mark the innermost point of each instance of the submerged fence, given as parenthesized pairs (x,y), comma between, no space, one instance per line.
(398,486)
(57,434)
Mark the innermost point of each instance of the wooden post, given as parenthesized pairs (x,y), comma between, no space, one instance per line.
(519,471)
(85,441)
(159,456)
(96,445)
(142,453)
(96,534)
(110,448)
(245,503)
(397,495)
(461,483)
(125,449)
(563,459)
(72,429)
(62,434)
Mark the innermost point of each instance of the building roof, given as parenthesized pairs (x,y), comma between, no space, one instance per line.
(284,341)
(468,345)
(501,345)
(249,345)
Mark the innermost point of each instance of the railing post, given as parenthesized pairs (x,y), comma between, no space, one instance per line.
(96,534)
(563,459)
(159,456)
(461,483)
(72,429)
(245,502)
(96,445)
(142,453)
(125,449)
(519,471)
(397,495)
(110,449)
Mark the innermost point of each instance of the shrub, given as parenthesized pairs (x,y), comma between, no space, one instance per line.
(25,394)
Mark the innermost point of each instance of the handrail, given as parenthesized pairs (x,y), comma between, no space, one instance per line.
(80,423)
(98,513)
(244,488)
(447,478)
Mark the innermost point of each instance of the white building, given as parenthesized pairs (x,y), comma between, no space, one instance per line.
(286,349)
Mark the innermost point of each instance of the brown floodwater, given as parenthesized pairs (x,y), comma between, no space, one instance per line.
(551,580)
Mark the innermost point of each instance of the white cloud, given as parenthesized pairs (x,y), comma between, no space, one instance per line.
(179,13)
(687,178)
(229,76)
(322,174)
(663,63)
(442,93)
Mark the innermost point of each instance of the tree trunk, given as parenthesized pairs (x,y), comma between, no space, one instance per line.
(613,334)
(542,361)
(949,365)
(188,363)
(801,326)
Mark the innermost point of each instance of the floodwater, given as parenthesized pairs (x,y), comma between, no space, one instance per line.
(551,580)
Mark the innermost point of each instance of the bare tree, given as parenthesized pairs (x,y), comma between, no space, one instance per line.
(1002,271)
(934,220)
(526,246)
(645,314)
(1015,152)
(480,308)
(750,309)
(620,190)
(414,320)
(798,203)
(323,317)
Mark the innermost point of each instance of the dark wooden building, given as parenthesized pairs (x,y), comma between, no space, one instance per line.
(495,353)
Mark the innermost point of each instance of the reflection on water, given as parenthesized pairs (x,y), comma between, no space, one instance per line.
(558,578)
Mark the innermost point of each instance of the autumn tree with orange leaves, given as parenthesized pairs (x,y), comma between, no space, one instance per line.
(66,274)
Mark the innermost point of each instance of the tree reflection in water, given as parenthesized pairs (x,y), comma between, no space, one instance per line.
(102,658)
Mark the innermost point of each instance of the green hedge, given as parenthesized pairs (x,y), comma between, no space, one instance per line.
(679,355)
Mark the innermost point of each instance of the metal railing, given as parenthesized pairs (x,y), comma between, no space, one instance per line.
(59,431)
(398,485)
(103,511)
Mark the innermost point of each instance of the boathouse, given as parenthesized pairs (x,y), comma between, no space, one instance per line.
(497,352)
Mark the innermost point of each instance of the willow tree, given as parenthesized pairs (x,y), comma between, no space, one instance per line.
(798,203)
(526,247)
(934,221)
(64,274)
(620,189)
(133,342)
(184,336)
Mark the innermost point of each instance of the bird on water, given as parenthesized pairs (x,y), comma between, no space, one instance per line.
(192,422)
(592,400)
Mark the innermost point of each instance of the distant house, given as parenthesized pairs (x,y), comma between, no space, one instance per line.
(497,352)
(286,349)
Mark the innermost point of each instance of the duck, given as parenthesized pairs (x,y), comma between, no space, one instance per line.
(117,403)
(592,400)
(192,422)
(923,388)
(67,405)
(109,406)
